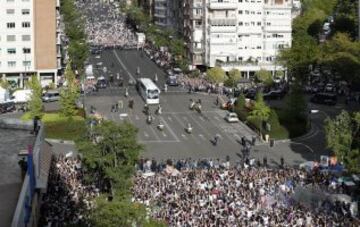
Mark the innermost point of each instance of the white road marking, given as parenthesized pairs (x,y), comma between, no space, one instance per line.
(201,118)
(202,136)
(170,119)
(217,118)
(159,141)
(164,134)
(183,135)
(156,136)
(170,130)
(123,65)
(145,134)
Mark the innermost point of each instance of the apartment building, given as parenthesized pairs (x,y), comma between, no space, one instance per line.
(29,40)
(168,14)
(242,34)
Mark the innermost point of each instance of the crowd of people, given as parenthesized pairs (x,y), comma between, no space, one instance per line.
(105,26)
(214,193)
(67,198)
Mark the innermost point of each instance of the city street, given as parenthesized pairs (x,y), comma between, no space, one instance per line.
(174,141)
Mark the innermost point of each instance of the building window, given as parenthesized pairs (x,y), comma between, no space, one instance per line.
(25,37)
(240,0)
(10,0)
(26,24)
(10,11)
(10,25)
(26,50)
(11,64)
(11,51)
(26,0)
(25,11)
(241,23)
(27,63)
(259,23)
(10,38)
(240,12)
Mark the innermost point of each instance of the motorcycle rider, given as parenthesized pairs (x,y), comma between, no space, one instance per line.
(159,110)
(192,104)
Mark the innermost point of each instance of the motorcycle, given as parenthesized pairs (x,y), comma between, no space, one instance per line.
(159,110)
(189,129)
(160,126)
(149,119)
(192,105)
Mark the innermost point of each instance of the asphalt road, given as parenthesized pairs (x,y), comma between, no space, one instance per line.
(174,142)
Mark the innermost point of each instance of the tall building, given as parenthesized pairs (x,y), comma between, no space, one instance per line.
(242,34)
(168,14)
(29,40)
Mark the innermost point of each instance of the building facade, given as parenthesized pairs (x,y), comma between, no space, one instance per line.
(242,34)
(29,40)
(168,14)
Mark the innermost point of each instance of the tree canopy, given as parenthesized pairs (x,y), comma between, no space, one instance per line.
(343,138)
(233,78)
(215,75)
(35,104)
(69,94)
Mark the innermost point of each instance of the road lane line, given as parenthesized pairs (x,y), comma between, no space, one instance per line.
(164,134)
(201,118)
(170,130)
(123,65)
(170,119)
(183,135)
(156,136)
(145,134)
(202,136)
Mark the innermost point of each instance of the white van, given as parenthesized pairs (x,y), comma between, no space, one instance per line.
(21,96)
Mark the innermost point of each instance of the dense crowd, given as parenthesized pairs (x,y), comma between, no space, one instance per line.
(214,193)
(105,26)
(67,198)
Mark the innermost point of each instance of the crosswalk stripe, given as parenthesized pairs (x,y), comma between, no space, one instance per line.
(145,134)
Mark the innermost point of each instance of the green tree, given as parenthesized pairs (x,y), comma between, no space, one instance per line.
(215,75)
(4,84)
(240,109)
(342,134)
(342,56)
(233,78)
(296,105)
(69,94)
(35,104)
(315,28)
(260,112)
(120,213)
(264,76)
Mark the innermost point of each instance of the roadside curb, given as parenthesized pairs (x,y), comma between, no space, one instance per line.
(305,136)
(68,142)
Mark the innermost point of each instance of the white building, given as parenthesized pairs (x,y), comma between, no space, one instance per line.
(242,34)
(29,40)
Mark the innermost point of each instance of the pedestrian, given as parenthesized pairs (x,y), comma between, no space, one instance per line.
(112,108)
(217,100)
(216,139)
(116,107)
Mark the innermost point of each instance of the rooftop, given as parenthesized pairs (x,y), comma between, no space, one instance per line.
(12,141)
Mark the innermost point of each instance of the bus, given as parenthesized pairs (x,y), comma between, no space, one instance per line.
(148,90)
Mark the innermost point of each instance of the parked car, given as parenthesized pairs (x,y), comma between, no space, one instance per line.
(324,98)
(231,117)
(330,88)
(274,94)
(8,106)
(172,80)
(250,94)
(101,82)
(51,96)
(229,104)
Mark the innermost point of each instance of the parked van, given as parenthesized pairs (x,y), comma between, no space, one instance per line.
(51,96)
(324,98)
(21,96)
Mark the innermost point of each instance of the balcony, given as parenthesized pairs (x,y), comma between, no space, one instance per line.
(223,21)
(222,29)
(226,4)
(195,16)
